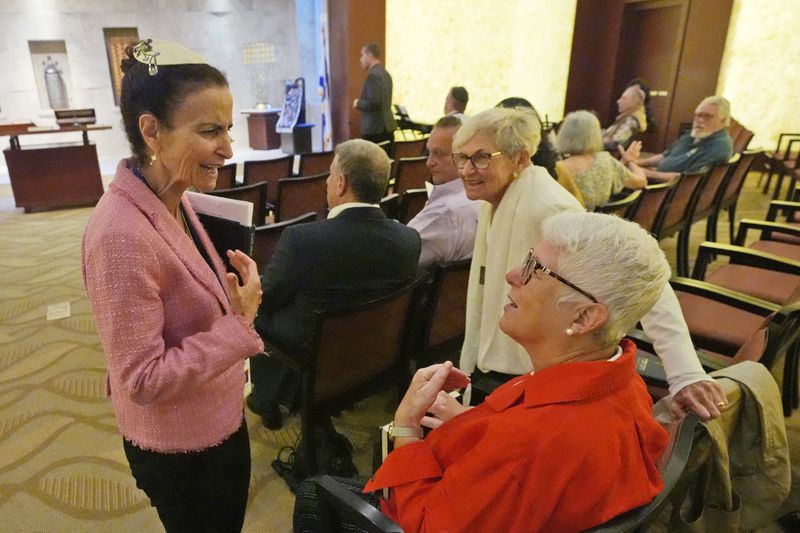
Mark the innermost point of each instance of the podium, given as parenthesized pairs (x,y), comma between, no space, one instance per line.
(261,128)
(53,175)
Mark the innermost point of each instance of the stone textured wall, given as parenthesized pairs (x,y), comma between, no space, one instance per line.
(760,71)
(217,29)
(494,49)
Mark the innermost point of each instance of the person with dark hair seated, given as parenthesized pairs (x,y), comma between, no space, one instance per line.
(456,101)
(175,327)
(563,448)
(545,155)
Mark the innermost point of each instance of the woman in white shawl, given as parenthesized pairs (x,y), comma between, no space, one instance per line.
(492,151)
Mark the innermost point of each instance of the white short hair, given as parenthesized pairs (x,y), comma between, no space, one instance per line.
(613,259)
(512,130)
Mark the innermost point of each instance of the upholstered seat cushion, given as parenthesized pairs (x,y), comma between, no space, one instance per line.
(783,249)
(715,326)
(768,285)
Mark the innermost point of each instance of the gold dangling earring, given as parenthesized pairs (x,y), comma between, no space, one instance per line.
(153,158)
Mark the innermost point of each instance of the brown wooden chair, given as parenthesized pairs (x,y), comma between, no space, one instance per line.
(297,196)
(266,238)
(255,194)
(410,173)
(313,163)
(622,206)
(355,351)
(269,171)
(226,177)
(730,194)
(404,149)
(742,141)
(790,168)
(653,204)
(390,205)
(776,238)
(724,323)
(412,201)
(778,158)
(710,196)
(752,272)
(677,217)
(444,314)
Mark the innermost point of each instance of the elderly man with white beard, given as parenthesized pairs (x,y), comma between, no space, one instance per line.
(706,145)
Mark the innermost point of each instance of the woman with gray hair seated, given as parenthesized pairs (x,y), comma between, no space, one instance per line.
(595,173)
(564,448)
(492,152)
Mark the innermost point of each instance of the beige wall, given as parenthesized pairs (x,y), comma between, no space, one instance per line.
(522,47)
(760,72)
(433,45)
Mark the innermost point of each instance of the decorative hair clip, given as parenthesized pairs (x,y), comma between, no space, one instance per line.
(168,53)
(143,52)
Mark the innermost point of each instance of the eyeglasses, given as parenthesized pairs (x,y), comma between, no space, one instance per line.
(705,116)
(532,265)
(479,160)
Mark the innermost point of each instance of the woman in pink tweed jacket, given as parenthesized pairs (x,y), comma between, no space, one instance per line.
(176,329)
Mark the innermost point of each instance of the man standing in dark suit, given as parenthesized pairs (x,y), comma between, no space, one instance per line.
(356,255)
(375,102)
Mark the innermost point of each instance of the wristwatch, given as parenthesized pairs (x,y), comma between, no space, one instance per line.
(401,431)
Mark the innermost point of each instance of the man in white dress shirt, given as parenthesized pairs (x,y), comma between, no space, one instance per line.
(447,224)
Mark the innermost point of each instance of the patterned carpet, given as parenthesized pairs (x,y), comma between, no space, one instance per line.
(62,466)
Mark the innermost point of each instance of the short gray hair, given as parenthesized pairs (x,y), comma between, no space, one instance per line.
(579,134)
(723,107)
(513,130)
(366,167)
(615,260)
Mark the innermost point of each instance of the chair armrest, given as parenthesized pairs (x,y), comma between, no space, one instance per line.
(746,303)
(742,256)
(781,206)
(342,499)
(766,228)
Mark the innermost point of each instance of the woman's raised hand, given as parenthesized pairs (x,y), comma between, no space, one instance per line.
(424,390)
(245,297)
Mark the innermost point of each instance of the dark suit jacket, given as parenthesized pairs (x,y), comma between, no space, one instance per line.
(352,258)
(375,102)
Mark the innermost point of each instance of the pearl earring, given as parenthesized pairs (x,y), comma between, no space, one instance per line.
(570,332)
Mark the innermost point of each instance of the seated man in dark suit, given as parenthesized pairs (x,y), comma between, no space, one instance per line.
(356,255)
(706,145)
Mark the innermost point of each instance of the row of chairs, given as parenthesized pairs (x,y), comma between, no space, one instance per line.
(294,197)
(783,162)
(671,207)
(421,321)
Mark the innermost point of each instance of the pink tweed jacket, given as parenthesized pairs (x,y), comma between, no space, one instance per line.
(174,346)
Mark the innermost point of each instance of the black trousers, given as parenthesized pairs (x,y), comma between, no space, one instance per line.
(311,516)
(203,491)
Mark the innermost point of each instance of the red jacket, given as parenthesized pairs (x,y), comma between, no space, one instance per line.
(564,449)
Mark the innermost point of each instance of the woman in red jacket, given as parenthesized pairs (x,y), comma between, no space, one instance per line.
(564,448)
